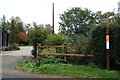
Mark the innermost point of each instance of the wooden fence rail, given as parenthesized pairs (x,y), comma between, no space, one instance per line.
(64,46)
(65,54)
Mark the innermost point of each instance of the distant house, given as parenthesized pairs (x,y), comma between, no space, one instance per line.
(4,38)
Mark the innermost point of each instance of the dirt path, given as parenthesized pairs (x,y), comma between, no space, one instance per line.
(9,60)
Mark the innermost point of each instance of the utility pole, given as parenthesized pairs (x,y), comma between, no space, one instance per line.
(119,8)
(119,12)
(107,46)
(53,19)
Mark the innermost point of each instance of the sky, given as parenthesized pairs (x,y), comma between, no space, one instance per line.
(40,11)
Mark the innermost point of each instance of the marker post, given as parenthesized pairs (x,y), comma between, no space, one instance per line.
(107,47)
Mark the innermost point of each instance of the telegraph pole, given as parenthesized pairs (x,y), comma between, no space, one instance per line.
(53,19)
(107,46)
(119,12)
(119,9)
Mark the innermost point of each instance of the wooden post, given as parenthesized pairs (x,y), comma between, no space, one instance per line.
(53,20)
(107,47)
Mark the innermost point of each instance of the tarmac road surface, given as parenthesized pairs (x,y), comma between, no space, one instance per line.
(8,59)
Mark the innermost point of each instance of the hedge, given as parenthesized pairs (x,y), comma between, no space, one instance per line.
(98,45)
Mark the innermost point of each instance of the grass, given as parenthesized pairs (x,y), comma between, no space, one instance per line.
(62,69)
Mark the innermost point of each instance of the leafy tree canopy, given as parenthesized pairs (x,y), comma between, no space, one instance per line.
(76,20)
(81,21)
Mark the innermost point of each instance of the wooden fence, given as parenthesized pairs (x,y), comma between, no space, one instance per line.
(64,54)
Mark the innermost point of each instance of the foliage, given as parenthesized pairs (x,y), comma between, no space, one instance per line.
(4,23)
(61,69)
(14,32)
(99,46)
(54,60)
(57,39)
(114,46)
(39,33)
(13,27)
(79,23)
(23,37)
(18,23)
(80,39)
(14,46)
(100,17)
(48,50)
(76,20)
(37,36)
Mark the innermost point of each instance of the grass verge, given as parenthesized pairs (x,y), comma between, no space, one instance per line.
(61,69)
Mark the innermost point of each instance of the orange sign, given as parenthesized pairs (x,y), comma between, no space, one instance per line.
(107,38)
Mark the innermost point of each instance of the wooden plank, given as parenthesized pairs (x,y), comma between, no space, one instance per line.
(50,46)
(61,54)
(72,47)
(63,46)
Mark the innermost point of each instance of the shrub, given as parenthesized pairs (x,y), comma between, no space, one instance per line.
(37,36)
(14,46)
(57,39)
(49,60)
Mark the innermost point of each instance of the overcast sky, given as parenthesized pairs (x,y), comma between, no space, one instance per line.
(40,11)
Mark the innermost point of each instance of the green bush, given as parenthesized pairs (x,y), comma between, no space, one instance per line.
(98,44)
(14,46)
(57,39)
(37,36)
(50,60)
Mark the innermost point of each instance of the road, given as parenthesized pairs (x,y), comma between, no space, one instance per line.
(10,58)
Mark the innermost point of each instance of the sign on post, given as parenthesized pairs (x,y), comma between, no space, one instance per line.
(107,42)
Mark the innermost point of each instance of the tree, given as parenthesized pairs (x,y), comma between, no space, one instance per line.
(76,20)
(101,17)
(14,32)
(5,24)
(19,24)
(77,23)
(16,26)
(80,23)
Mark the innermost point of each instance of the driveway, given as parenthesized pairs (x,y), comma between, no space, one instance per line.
(9,59)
